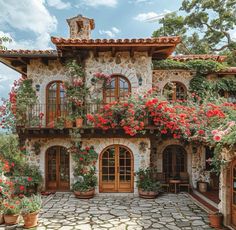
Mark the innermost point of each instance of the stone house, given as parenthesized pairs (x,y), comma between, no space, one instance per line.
(129,63)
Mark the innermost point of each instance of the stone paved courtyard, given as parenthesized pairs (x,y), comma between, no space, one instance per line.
(169,211)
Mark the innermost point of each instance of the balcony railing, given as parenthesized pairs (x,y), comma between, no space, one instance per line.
(56,115)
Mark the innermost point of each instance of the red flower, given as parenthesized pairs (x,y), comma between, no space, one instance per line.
(29,179)
(201,132)
(81,159)
(12,164)
(22,188)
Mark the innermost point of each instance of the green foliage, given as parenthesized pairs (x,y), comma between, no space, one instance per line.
(85,182)
(11,206)
(205,28)
(169,64)
(147,180)
(4,40)
(31,204)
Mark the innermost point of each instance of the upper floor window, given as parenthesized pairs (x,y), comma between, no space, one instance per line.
(175,91)
(55,100)
(117,89)
(230,95)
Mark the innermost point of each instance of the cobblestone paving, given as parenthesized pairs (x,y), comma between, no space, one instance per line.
(169,211)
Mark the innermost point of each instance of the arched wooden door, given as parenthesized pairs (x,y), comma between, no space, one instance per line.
(57,169)
(56,102)
(233,190)
(174,161)
(116,170)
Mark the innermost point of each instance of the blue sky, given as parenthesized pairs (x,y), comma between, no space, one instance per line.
(30,23)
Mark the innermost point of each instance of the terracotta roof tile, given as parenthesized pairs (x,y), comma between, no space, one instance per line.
(158,40)
(29,52)
(198,56)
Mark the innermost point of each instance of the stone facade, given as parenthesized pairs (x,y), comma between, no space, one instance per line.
(141,154)
(163,77)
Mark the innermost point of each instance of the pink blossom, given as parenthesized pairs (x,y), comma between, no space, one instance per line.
(217,138)
(215,131)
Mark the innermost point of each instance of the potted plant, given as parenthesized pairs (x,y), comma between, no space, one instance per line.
(216,219)
(84,169)
(202,182)
(30,207)
(84,187)
(1,212)
(148,186)
(11,211)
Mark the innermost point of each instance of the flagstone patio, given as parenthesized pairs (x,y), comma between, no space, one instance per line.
(169,211)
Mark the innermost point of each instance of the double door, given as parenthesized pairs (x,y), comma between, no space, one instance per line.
(57,169)
(116,170)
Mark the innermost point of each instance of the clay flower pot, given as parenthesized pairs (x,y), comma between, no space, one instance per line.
(11,219)
(216,220)
(79,122)
(68,124)
(30,220)
(1,218)
(147,194)
(85,195)
(202,186)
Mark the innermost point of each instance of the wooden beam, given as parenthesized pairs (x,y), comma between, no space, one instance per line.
(132,52)
(151,51)
(44,61)
(26,61)
(17,63)
(113,51)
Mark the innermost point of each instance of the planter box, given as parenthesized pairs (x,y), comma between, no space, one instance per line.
(147,194)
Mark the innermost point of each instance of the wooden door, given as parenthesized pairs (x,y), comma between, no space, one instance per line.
(57,169)
(116,170)
(174,161)
(233,200)
(56,102)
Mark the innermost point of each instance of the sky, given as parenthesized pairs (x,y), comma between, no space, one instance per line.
(31,23)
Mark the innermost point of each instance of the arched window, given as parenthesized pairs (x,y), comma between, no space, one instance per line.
(117,89)
(55,101)
(174,161)
(175,91)
(229,95)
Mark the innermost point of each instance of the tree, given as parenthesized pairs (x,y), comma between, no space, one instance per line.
(2,40)
(205,27)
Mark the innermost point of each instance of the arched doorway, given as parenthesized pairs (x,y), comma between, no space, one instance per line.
(174,161)
(116,169)
(233,192)
(57,169)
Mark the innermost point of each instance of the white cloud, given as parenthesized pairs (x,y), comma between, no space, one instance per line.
(58,4)
(150,15)
(140,1)
(95,3)
(110,33)
(145,16)
(30,16)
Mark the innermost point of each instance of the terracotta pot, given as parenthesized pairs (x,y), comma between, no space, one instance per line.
(11,219)
(202,186)
(216,220)
(30,220)
(1,218)
(79,122)
(68,124)
(85,195)
(147,194)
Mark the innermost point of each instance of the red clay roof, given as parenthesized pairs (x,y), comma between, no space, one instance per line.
(141,41)
(198,56)
(28,52)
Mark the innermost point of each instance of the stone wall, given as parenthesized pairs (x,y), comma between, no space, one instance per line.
(226,184)
(162,77)
(195,158)
(140,148)
(133,68)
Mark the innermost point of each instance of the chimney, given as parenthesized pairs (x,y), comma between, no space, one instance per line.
(80,27)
